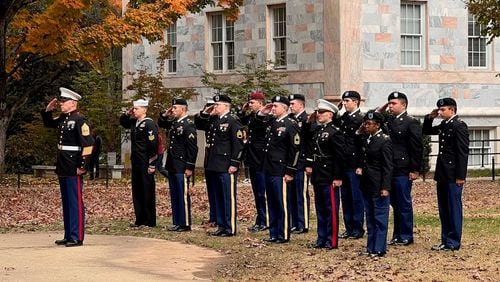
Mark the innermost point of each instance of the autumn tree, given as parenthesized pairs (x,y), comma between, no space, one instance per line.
(487,13)
(81,31)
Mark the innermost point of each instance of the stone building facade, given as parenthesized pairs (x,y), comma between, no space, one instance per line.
(426,49)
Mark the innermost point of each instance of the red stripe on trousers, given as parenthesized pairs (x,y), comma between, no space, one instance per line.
(334,216)
(80,211)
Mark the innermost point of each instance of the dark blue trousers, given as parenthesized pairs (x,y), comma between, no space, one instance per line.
(73,208)
(326,201)
(211,187)
(144,196)
(299,201)
(180,199)
(402,207)
(353,206)
(225,200)
(258,181)
(377,220)
(449,197)
(279,207)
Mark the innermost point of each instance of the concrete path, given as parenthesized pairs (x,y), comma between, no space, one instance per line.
(35,257)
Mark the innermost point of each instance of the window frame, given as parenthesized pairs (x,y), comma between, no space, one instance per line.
(278,38)
(407,35)
(223,47)
(480,38)
(475,160)
(171,36)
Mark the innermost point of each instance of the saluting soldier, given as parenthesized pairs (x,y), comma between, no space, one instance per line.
(451,170)
(279,166)
(74,149)
(350,193)
(223,156)
(254,153)
(326,162)
(299,196)
(406,138)
(144,139)
(376,182)
(203,121)
(181,160)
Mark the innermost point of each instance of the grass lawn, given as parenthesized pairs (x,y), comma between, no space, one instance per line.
(36,208)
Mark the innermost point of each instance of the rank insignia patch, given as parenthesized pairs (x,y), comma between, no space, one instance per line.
(85,130)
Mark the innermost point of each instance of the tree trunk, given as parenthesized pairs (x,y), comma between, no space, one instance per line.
(4,123)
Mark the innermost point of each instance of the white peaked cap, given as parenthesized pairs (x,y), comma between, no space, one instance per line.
(69,94)
(325,105)
(141,103)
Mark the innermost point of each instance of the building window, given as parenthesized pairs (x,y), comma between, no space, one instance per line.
(477,44)
(278,14)
(479,147)
(411,34)
(221,43)
(172,42)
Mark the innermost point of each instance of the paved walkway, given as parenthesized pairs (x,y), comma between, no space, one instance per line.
(35,257)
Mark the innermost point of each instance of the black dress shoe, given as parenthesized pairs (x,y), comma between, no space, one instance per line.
(74,243)
(270,240)
(438,247)
(218,232)
(257,228)
(344,235)
(281,241)
(318,246)
(61,242)
(376,254)
(329,246)
(300,231)
(356,236)
(404,242)
(133,225)
(183,228)
(364,253)
(226,234)
(393,242)
(174,228)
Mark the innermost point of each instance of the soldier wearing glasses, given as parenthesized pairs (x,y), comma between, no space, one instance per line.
(451,170)
(223,156)
(181,160)
(74,146)
(144,139)
(376,175)
(325,164)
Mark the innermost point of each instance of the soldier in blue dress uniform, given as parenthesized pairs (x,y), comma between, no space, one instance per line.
(223,155)
(451,170)
(325,161)
(279,166)
(376,182)
(406,137)
(144,158)
(181,160)
(350,193)
(254,153)
(74,149)
(299,196)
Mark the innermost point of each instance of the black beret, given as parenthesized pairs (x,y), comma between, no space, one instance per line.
(446,102)
(222,98)
(375,116)
(281,99)
(179,101)
(296,97)
(351,94)
(397,95)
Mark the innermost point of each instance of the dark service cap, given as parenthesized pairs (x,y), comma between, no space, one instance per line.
(179,101)
(397,95)
(446,102)
(296,97)
(222,98)
(281,99)
(375,116)
(351,94)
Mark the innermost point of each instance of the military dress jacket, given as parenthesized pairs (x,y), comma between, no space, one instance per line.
(224,141)
(144,139)
(282,147)
(256,140)
(74,143)
(406,138)
(348,124)
(327,157)
(183,146)
(377,164)
(453,148)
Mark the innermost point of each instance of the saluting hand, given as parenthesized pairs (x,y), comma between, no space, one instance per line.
(52,104)
(267,109)
(383,108)
(434,113)
(312,117)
